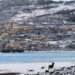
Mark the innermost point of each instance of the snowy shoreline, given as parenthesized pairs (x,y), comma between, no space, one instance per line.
(24,68)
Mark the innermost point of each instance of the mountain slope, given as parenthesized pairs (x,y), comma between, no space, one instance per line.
(20,10)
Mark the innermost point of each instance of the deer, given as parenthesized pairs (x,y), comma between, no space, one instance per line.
(51,66)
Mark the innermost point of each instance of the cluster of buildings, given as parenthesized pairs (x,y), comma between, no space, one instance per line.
(15,37)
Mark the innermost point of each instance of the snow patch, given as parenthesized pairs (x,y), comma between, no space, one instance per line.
(36,67)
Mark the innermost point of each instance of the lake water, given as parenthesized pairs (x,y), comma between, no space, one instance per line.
(37,57)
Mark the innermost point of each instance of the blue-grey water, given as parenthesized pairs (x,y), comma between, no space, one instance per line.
(28,57)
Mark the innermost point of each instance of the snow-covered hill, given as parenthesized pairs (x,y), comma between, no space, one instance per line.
(62,0)
(23,10)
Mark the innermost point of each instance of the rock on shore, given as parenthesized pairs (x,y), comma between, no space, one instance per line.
(61,71)
(64,71)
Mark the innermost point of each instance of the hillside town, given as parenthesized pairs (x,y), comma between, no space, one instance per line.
(16,37)
(37,25)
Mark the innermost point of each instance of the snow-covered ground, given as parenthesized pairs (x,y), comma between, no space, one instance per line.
(24,68)
(21,15)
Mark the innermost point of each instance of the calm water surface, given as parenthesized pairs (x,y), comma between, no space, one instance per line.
(37,57)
